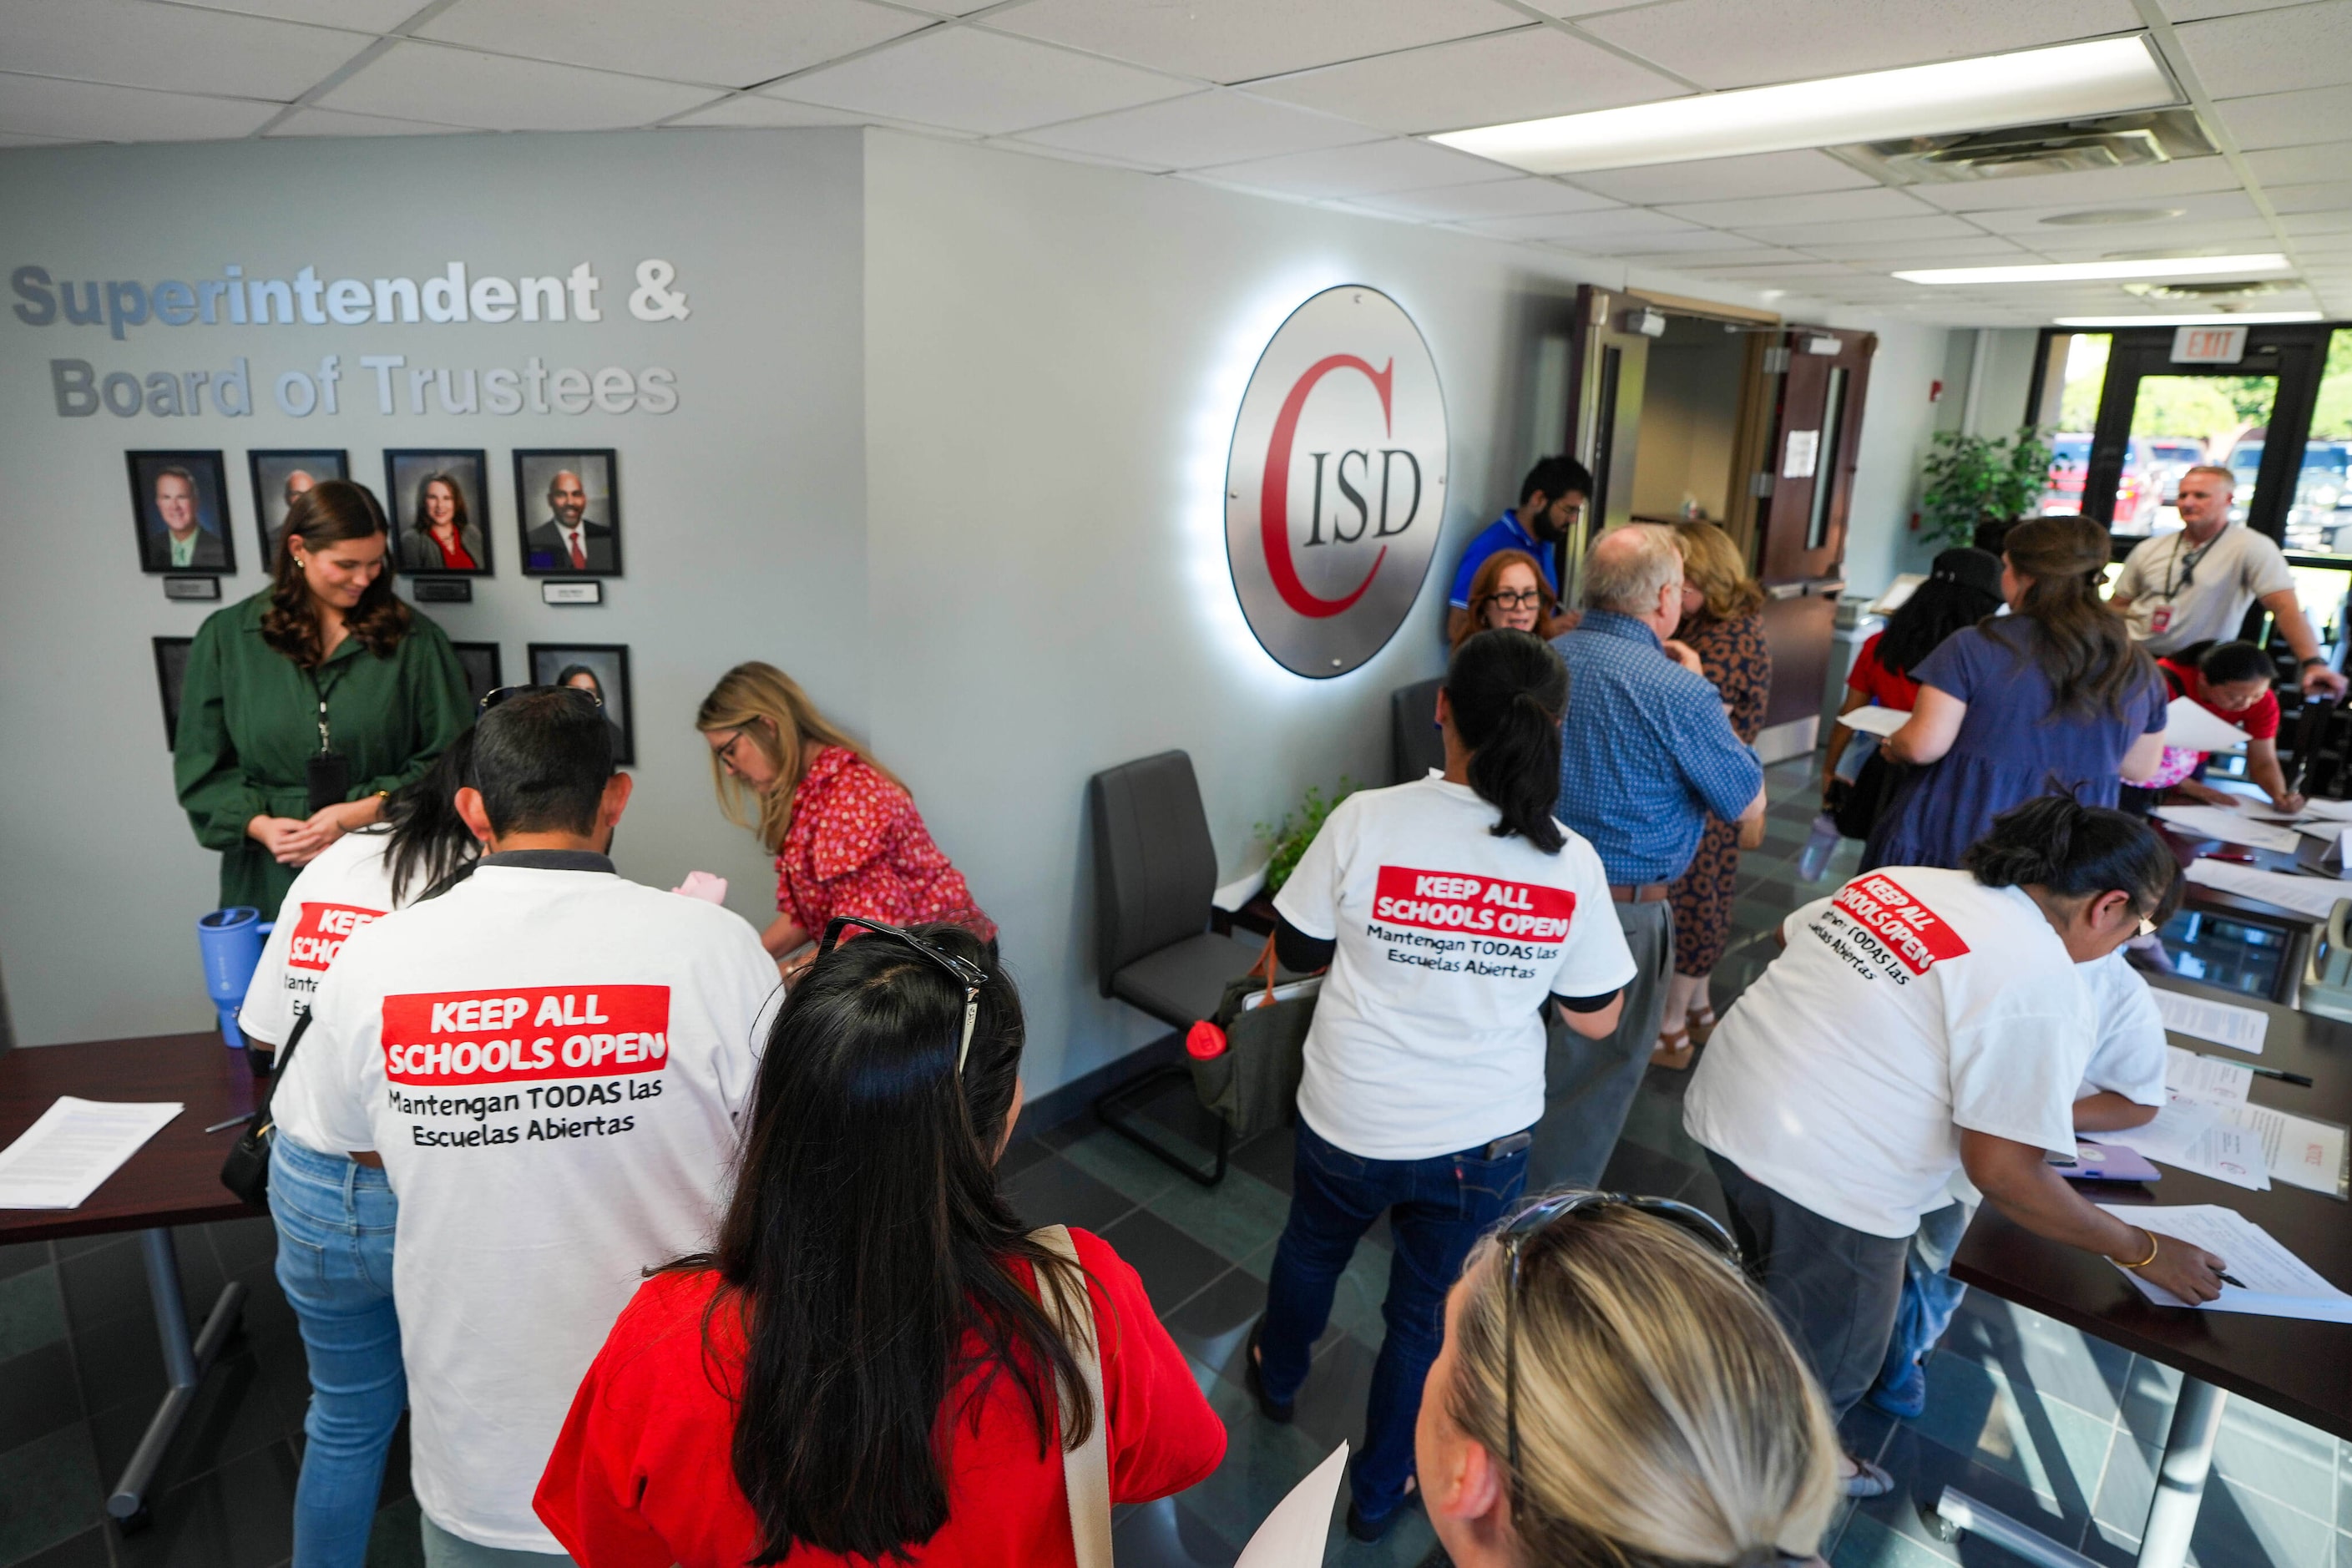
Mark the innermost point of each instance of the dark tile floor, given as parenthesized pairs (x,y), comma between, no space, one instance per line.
(2033,1417)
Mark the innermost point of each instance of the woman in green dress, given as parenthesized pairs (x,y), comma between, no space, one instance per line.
(306,704)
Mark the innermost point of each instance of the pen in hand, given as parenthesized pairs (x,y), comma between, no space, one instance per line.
(2231,1279)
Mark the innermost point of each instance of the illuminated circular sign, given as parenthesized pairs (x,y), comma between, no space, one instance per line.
(1334,487)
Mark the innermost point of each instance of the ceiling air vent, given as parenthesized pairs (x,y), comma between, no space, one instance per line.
(2061,147)
(2203,292)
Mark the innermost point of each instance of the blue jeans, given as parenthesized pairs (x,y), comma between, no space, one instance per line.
(1438,1208)
(335,1219)
(1930,1295)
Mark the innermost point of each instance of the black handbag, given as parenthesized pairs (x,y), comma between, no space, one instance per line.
(246,1171)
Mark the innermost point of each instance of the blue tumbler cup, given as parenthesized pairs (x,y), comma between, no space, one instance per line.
(230,941)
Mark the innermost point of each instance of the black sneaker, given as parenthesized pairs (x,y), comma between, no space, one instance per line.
(1371,1530)
(1279,1412)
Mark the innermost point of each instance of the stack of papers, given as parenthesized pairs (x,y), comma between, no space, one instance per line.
(2205,1080)
(1874,720)
(2229,826)
(2313,896)
(68,1153)
(2208,1127)
(2193,728)
(2278,1284)
(2223,1023)
(2191,1135)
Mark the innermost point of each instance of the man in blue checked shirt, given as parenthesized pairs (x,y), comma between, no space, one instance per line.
(1646,757)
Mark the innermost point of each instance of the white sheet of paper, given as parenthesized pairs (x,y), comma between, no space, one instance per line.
(2176,1130)
(2233,1154)
(2336,810)
(1295,1532)
(2229,826)
(1875,720)
(2313,896)
(2223,1023)
(68,1154)
(2204,1079)
(2278,1284)
(2309,1154)
(2192,1136)
(2188,725)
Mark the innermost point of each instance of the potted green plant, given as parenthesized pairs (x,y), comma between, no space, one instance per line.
(1296,831)
(1976,487)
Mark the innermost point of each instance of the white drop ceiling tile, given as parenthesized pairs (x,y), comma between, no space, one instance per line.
(89,112)
(1744,43)
(1827,206)
(1652,249)
(2289,119)
(359,16)
(1572,229)
(1371,169)
(2302,165)
(1916,252)
(1727,179)
(333,122)
(2141,220)
(132,43)
(737,42)
(2200,10)
(1240,40)
(758,111)
(491,93)
(972,81)
(1530,74)
(2313,223)
(1214,127)
(1493,198)
(2181,238)
(2088,187)
(1890,230)
(1743,271)
(2333,197)
(2271,51)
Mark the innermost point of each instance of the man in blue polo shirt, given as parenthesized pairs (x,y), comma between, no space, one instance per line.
(1552,500)
(1646,757)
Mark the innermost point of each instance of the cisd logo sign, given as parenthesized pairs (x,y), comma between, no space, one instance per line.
(1335,487)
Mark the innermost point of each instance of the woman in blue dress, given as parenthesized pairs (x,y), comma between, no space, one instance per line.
(2053,698)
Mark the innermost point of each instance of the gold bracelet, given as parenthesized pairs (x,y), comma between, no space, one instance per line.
(2152,1248)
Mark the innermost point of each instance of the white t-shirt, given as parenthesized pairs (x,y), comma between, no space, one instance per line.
(345,887)
(2180,594)
(1428,1036)
(2129,1056)
(1910,1003)
(550,1063)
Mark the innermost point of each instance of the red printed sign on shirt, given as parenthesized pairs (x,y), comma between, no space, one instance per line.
(1451,901)
(320,933)
(1916,934)
(451,1039)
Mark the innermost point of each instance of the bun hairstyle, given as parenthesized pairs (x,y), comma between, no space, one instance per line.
(1507,691)
(2078,851)
(2086,645)
(1666,1420)
(332,511)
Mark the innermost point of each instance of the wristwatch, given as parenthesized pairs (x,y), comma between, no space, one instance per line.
(2307,663)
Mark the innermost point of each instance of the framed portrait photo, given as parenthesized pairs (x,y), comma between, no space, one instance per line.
(440,504)
(602,669)
(484,668)
(569,505)
(277,478)
(170,674)
(179,507)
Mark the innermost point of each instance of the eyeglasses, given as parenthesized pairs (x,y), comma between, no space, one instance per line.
(1524,599)
(963,972)
(726,753)
(1539,1217)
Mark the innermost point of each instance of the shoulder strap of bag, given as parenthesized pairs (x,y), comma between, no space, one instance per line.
(276,1073)
(1087,1468)
(1267,963)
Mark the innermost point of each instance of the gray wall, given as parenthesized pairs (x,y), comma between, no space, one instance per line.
(743,510)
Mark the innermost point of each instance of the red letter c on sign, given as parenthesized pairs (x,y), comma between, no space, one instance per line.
(1274,494)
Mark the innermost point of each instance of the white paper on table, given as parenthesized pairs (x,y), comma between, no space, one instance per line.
(2313,896)
(1294,1533)
(2188,725)
(2205,1080)
(68,1154)
(2336,810)
(1875,720)
(2293,1148)
(2177,1129)
(2229,826)
(2278,1284)
(2223,1023)
(2233,1154)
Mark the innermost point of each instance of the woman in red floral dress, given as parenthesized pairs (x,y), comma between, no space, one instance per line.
(845,834)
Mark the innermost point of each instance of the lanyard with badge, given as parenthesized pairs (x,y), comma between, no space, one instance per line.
(327,774)
(2184,562)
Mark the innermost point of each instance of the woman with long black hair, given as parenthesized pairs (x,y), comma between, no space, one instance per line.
(1453,911)
(863,1367)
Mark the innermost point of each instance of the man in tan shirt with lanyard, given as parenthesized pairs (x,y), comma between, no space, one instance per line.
(2196,585)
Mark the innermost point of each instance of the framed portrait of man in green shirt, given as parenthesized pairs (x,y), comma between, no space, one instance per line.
(179,508)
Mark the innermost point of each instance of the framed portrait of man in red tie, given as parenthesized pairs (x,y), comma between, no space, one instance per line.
(569,505)
(440,504)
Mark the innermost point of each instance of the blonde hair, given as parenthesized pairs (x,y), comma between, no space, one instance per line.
(1712,565)
(768,710)
(1663,1415)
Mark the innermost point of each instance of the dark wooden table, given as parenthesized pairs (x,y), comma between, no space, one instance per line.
(2302,1369)
(172,1180)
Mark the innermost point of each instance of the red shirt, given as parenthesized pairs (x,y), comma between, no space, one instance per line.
(453,555)
(641,1476)
(2258,719)
(1882,685)
(857,846)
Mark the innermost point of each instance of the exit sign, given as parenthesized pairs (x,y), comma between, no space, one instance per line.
(2209,345)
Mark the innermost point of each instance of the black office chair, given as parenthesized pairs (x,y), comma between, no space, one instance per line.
(1155,873)
(1415,743)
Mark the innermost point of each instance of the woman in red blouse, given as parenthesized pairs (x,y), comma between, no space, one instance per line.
(862,1368)
(846,834)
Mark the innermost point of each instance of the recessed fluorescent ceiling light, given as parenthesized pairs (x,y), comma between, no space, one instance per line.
(2239,319)
(2099,271)
(2067,82)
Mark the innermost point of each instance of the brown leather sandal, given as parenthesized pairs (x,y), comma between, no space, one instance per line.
(1702,1021)
(1673,1050)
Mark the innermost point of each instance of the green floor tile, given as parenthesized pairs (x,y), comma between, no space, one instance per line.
(50,1491)
(32,1313)
(1867,1543)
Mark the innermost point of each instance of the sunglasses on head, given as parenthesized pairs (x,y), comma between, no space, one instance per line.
(493,698)
(963,972)
(1541,1215)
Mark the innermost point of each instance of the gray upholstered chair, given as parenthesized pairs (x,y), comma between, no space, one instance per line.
(1415,746)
